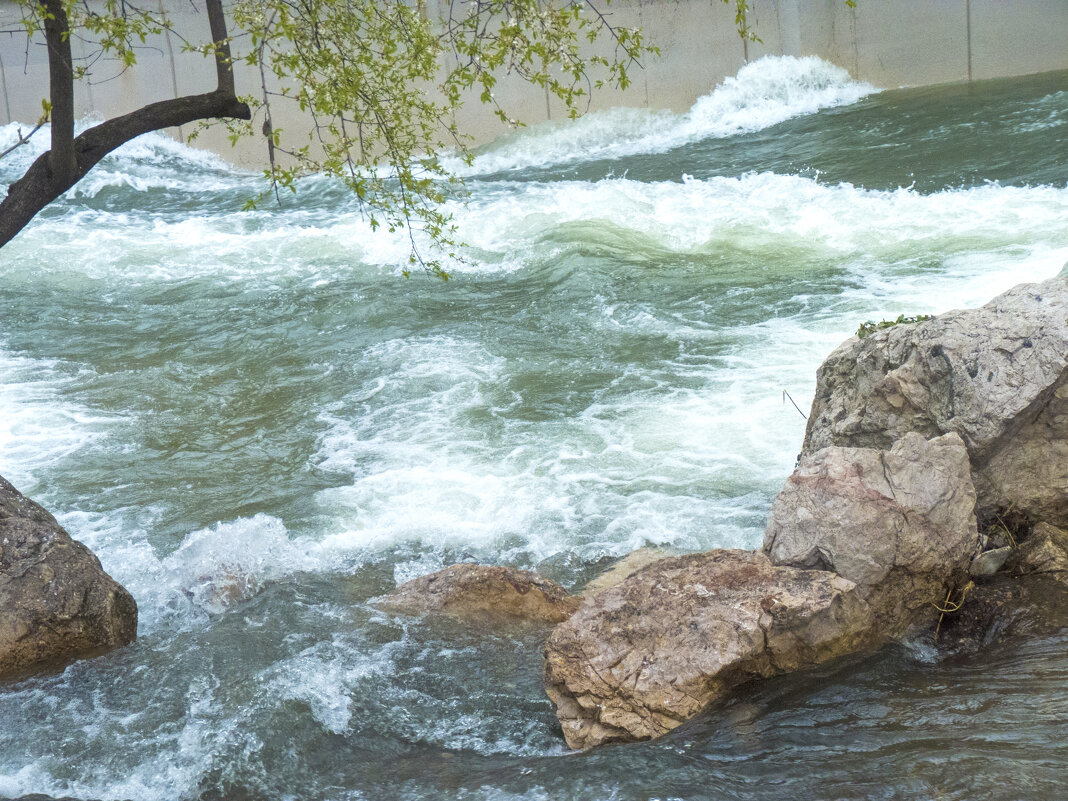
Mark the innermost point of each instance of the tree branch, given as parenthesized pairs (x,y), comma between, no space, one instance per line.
(25,140)
(224,62)
(40,186)
(60,87)
(70,158)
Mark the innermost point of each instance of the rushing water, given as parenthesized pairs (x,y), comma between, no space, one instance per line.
(259,425)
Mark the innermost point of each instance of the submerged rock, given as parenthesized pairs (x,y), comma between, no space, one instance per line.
(642,657)
(997,376)
(56,602)
(625,568)
(899,523)
(469,590)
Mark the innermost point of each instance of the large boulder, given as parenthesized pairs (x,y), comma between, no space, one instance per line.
(640,658)
(898,523)
(470,590)
(997,376)
(56,603)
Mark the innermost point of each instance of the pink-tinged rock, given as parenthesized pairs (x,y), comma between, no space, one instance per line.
(899,523)
(996,375)
(640,658)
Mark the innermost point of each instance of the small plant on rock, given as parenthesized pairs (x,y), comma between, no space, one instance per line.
(870,327)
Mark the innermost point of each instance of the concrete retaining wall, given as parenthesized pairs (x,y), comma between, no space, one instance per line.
(889,43)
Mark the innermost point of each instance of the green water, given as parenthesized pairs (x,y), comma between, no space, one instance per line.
(258,425)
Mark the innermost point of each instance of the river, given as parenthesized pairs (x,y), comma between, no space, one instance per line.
(258,425)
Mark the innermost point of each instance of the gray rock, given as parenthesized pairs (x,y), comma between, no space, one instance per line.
(898,523)
(997,376)
(480,591)
(640,658)
(988,563)
(56,603)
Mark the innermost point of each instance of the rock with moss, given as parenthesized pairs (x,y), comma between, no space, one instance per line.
(56,602)
(996,375)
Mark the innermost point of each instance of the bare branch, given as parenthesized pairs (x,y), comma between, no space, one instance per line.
(24,140)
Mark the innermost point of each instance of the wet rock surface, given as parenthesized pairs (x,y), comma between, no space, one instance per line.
(997,376)
(640,658)
(624,568)
(471,590)
(1045,551)
(56,602)
(1003,608)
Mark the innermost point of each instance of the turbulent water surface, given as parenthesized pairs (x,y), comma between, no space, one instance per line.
(259,425)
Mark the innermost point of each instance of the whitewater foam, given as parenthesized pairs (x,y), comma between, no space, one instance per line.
(764,93)
(39,426)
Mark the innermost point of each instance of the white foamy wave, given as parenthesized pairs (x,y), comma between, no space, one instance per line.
(152,146)
(22,156)
(151,161)
(767,208)
(39,427)
(657,462)
(225,564)
(214,570)
(763,93)
(505,223)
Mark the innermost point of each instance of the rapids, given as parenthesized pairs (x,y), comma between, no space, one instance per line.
(258,425)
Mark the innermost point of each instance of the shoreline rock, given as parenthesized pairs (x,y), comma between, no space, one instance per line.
(996,375)
(899,523)
(860,545)
(624,568)
(56,602)
(646,655)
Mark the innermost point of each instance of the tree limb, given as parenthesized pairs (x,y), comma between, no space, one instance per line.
(224,62)
(71,157)
(40,185)
(60,87)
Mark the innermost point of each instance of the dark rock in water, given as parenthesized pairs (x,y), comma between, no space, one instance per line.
(997,376)
(1002,609)
(1045,551)
(899,523)
(469,590)
(56,602)
(642,657)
